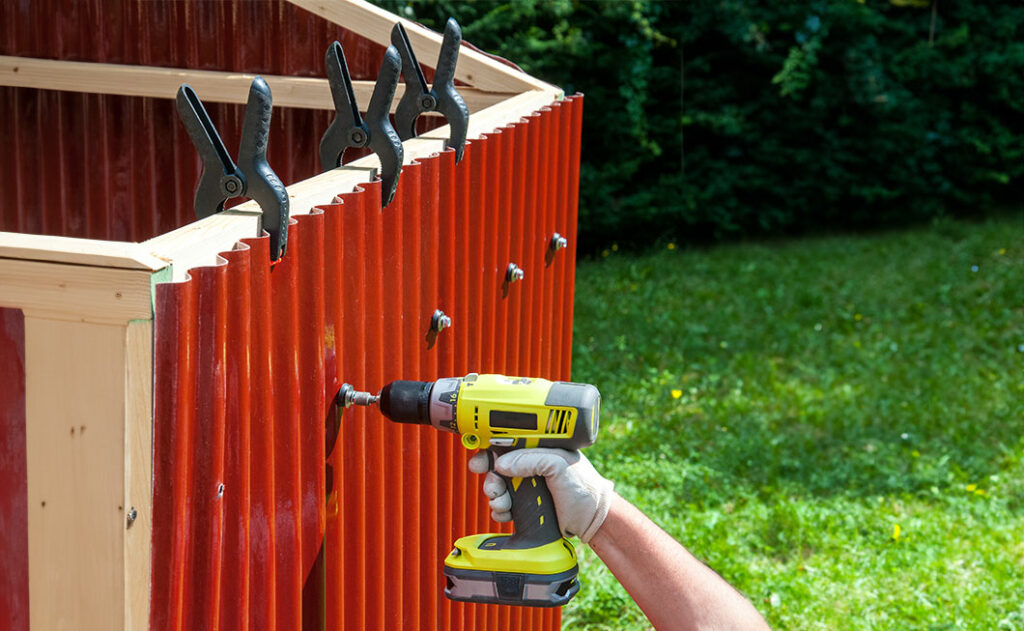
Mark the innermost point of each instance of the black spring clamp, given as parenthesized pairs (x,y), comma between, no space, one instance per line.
(252,177)
(441,96)
(350,129)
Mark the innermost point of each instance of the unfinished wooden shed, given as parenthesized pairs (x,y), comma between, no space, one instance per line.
(168,455)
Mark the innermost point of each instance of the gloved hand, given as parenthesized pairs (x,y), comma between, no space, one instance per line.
(582,497)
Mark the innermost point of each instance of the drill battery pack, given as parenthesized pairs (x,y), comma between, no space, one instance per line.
(481,570)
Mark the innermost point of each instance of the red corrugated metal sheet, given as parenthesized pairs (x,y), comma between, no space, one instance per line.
(123,168)
(13,471)
(249,356)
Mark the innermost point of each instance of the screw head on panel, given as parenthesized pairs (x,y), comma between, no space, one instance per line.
(439,321)
(558,242)
(346,395)
(513,273)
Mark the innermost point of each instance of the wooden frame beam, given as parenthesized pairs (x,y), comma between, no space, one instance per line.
(212,86)
(88,435)
(474,68)
(74,443)
(80,293)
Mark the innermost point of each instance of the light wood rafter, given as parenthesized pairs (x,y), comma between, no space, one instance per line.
(475,68)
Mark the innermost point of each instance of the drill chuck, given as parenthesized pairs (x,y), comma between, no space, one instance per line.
(407,401)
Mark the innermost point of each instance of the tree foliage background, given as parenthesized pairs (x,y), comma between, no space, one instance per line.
(714,119)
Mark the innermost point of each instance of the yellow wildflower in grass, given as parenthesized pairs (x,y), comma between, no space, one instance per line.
(605,253)
(671,246)
(1002,251)
(615,247)
(973,488)
(895,532)
(676,394)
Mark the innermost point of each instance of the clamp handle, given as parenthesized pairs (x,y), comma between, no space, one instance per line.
(221,179)
(384,140)
(441,96)
(350,129)
(347,129)
(265,188)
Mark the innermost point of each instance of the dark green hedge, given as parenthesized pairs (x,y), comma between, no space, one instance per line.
(714,119)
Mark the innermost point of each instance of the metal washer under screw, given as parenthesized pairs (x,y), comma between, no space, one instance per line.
(513,273)
(439,321)
(346,395)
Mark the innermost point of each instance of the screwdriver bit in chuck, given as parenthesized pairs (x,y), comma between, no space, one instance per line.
(364,398)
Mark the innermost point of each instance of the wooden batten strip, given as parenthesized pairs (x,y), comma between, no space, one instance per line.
(212,86)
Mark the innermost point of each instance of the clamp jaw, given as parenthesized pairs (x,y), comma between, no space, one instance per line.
(441,96)
(252,177)
(350,129)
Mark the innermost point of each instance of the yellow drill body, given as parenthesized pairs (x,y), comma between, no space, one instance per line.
(534,566)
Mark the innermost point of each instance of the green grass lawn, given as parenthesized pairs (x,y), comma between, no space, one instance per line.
(835,425)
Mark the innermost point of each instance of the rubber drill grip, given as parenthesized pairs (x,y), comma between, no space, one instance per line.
(533,512)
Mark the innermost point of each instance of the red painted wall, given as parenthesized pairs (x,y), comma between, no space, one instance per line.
(13,487)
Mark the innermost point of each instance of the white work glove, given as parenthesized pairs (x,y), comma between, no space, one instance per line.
(582,497)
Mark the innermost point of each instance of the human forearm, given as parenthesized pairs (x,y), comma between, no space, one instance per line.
(673,588)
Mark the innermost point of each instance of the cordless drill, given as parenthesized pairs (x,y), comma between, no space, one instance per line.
(533,566)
